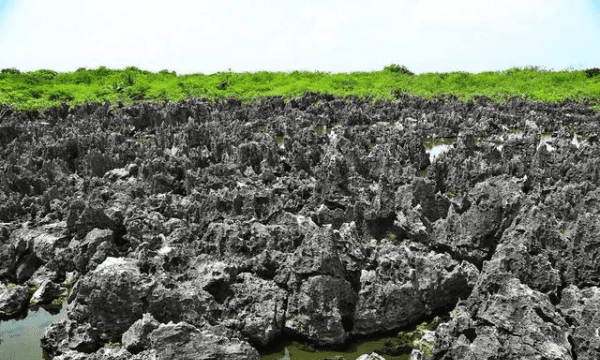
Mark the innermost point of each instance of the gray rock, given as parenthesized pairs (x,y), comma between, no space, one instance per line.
(47,292)
(184,341)
(474,232)
(97,245)
(112,297)
(321,309)
(407,284)
(69,335)
(82,218)
(515,322)
(13,301)
(581,309)
(135,338)
(256,308)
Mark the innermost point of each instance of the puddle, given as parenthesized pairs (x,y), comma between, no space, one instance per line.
(295,350)
(20,339)
(437,150)
(434,147)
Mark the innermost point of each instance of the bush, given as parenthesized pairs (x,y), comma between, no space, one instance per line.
(589,72)
(12,71)
(43,75)
(398,69)
(167,72)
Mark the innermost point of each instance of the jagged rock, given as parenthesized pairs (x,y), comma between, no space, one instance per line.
(256,308)
(67,334)
(372,356)
(97,245)
(218,221)
(102,354)
(82,218)
(135,339)
(473,231)
(47,292)
(13,300)
(122,173)
(515,322)
(184,341)
(407,284)
(112,297)
(580,307)
(321,309)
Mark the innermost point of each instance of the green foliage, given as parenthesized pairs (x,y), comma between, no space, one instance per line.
(41,89)
(394,68)
(33,287)
(279,139)
(592,72)
(11,71)
(452,193)
(319,130)
(414,338)
(111,345)
(391,236)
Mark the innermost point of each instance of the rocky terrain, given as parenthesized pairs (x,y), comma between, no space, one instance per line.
(204,231)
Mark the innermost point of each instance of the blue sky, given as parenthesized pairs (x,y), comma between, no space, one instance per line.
(283,35)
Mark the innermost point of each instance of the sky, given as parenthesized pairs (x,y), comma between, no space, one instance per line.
(207,36)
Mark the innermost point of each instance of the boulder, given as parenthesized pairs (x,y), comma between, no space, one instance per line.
(135,339)
(408,283)
(184,341)
(514,322)
(256,308)
(112,297)
(13,300)
(321,310)
(70,335)
(97,245)
(581,309)
(47,292)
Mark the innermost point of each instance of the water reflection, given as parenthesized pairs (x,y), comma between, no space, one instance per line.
(20,338)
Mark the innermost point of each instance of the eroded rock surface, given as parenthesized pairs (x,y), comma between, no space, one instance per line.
(220,228)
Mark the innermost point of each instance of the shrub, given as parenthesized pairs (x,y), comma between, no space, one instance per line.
(12,71)
(43,75)
(589,72)
(395,68)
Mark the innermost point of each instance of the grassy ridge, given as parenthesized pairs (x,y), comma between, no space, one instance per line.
(41,89)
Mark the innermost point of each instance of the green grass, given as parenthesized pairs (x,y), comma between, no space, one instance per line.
(41,89)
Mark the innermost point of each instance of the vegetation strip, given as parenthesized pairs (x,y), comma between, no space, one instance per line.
(42,89)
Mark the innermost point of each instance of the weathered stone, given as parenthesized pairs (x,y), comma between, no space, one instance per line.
(256,308)
(184,341)
(13,300)
(581,309)
(135,339)
(97,245)
(112,297)
(407,284)
(321,309)
(47,292)
(67,334)
(514,322)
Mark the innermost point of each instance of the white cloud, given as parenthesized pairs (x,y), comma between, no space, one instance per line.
(284,35)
